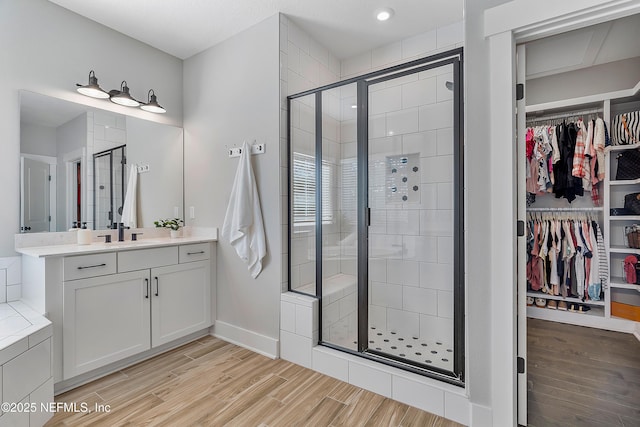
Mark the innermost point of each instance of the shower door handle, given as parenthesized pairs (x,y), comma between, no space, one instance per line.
(368,216)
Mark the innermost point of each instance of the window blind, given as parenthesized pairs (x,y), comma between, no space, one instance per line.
(304,189)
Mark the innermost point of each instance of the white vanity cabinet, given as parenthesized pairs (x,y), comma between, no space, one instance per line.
(105,319)
(111,308)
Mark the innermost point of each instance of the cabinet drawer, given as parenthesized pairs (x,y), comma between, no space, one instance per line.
(83,266)
(197,252)
(147,258)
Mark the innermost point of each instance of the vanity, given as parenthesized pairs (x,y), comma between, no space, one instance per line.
(113,304)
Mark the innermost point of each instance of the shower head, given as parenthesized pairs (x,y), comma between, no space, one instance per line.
(449,84)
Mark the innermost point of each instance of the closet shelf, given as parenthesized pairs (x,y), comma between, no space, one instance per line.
(618,282)
(625,218)
(622,147)
(545,313)
(623,250)
(561,298)
(625,182)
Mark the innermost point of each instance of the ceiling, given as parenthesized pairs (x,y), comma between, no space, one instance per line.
(585,47)
(40,110)
(183,28)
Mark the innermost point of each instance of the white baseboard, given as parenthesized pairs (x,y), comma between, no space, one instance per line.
(253,341)
(481,416)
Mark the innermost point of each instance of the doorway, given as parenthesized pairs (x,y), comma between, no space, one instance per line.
(376,214)
(558,101)
(109,187)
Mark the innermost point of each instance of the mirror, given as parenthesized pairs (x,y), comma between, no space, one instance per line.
(76,161)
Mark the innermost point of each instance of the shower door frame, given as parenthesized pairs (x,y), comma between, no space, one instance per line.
(452,57)
(109,153)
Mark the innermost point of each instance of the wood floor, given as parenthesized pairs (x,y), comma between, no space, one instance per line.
(581,376)
(210,382)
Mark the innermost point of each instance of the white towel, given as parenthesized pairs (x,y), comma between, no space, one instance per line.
(243,226)
(129,209)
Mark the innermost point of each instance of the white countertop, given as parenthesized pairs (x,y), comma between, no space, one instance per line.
(94,248)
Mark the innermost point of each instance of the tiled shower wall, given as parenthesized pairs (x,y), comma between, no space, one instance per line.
(412,290)
(105,131)
(10,279)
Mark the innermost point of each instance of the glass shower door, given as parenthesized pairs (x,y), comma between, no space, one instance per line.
(411,229)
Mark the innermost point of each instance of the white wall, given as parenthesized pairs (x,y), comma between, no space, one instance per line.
(478,236)
(231,94)
(47,49)
(620,75)
(70,137)
(40,140)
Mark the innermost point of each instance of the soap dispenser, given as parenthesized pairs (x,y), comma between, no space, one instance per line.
(74,227)
(84,235)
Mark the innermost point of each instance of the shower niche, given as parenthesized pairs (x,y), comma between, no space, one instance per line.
(376,213)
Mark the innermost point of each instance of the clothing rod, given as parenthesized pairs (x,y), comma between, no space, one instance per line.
(542,117)
(565,209)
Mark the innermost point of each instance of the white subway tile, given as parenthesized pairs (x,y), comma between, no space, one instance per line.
(403,222)
(348,133)
(419,395)
(434,328)
(444,93)
(377,316)
(377,126)
(403,322)
(287,316)
(436,116)
(403,121)
(419,300)
(456,408)
(420,92)
(450,34)
(436,222)
(298,37)
(304,321)
(356,65)
(293,58)
(386,295)
(386,55)
(385,100)
(14,271)
(318,52)
(389,246)
(296,348)
(369,378)
(436,276)
(421,248)
(445,141)
(334,65)
(309,68)
(283,36)
(436,169)
(428,195)
(445,250)
(445,304)
(419,45)
(330,364)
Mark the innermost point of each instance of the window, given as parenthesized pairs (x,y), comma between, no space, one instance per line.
(304,190)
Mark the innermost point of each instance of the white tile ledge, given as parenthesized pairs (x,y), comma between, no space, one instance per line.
(36,329)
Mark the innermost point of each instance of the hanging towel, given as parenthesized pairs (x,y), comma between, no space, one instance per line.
(243,226)
(129,208)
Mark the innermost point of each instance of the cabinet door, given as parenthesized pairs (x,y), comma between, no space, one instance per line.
(181,301)
(105,319)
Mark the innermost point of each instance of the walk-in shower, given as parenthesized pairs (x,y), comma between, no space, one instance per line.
(109,186)
(376,213)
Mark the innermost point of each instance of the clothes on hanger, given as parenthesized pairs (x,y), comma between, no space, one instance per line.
(565,256)
(566,159)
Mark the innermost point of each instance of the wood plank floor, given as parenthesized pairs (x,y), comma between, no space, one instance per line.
(581,376)
(210,382)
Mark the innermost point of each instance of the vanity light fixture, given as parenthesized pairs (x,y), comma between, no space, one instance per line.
(122,96)
(152,104)
(384,14)
(92,89)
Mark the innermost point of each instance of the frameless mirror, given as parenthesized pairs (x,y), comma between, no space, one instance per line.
(75,163)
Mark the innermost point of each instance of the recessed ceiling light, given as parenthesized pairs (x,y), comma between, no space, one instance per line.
(384,14)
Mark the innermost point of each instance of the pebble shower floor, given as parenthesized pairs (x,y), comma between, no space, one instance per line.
(430,353)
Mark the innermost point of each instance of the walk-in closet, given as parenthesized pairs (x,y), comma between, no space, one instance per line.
(579,210)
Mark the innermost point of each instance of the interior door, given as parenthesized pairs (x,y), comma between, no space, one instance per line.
(35,190)
(522,243)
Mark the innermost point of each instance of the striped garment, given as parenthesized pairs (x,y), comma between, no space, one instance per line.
(603,265)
